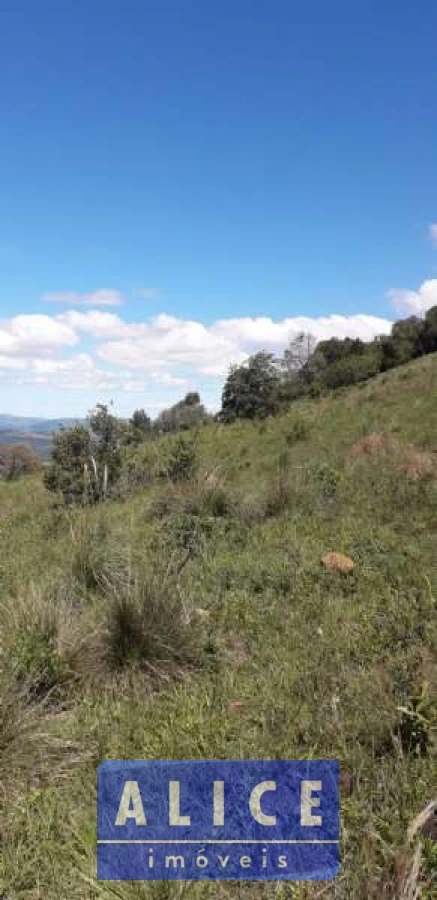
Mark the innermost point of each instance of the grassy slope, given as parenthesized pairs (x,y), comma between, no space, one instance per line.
(318,662)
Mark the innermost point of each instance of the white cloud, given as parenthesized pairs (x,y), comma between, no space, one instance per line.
(433,234)
(97,324)
(417,302)
(34,335)
(167,342)
(265,332)
(97,352)
(102,297)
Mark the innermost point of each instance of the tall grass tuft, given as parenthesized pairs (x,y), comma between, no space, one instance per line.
(149,626)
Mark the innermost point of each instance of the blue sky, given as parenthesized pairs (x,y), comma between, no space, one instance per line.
(185,182)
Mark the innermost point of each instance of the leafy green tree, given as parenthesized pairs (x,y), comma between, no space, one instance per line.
(70,456)
(403,344)
(106,442)
(251,390)
(141,421)
(187,413)
(428,338)
(137,430)
(86,462)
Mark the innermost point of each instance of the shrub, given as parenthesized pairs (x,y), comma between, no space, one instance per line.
(210,496)
(327,479)
(183,460)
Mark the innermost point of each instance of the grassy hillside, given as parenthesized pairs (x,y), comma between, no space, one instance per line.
(196,620)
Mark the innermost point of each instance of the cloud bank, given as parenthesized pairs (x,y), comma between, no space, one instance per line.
(409,303)
(98,351)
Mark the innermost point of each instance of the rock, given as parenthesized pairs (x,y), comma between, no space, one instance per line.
(338,562)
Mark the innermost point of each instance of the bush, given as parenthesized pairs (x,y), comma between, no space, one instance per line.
(210,497)
(327,479)
(183,460)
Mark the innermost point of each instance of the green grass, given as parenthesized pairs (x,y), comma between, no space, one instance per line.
(322,665)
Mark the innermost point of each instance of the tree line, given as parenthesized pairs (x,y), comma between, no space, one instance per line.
(86,460)
(264,385)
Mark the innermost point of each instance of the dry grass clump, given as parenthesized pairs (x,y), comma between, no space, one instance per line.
(418,463)
(413,461)
(379,443)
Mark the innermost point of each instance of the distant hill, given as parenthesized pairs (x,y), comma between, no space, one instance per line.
(33,424)
(35,432)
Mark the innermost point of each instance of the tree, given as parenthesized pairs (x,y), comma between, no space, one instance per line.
(17,460)
(251,390)
(86,462)
(185,414)
(428,337)
(141,421)
(297,357)
(137,429)
(404,342)
(70,456)
(106,435)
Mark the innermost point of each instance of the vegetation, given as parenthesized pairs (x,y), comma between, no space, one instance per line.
(191,617)
(17,460)
(264,385)
(86,461)
(251,390)
(184,415)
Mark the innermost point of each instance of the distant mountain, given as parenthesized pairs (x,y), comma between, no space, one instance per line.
(35,432)
(33,424)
